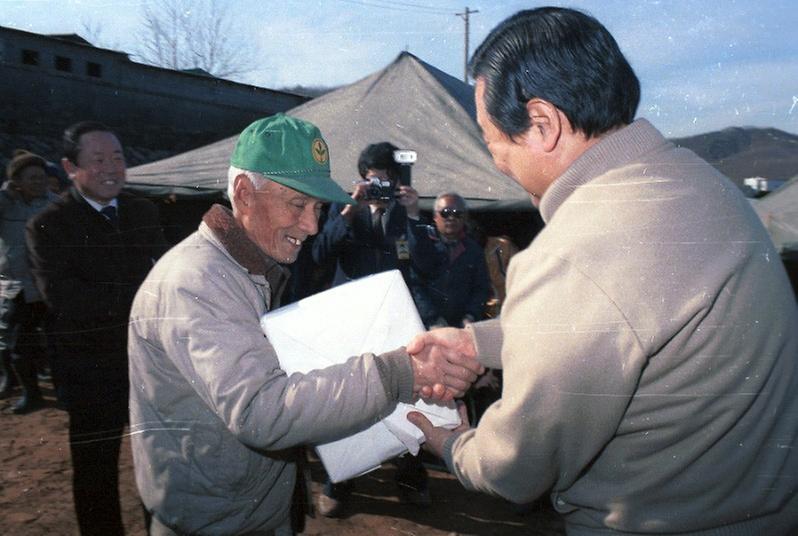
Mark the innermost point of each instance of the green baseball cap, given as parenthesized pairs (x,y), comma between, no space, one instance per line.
(292,152)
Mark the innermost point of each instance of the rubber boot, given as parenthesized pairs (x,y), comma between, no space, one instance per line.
(9,380)
(31,395)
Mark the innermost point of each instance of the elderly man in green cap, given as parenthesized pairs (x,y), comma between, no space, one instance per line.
(214,420)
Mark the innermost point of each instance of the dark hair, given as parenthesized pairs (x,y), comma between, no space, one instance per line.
(562,56)
(72,134)
(378,156)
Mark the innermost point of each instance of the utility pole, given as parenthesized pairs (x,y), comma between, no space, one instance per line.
(464,15)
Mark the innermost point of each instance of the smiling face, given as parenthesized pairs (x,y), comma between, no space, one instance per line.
(99,172)
(278,219)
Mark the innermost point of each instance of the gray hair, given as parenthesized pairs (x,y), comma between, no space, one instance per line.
(458,199)
(257,180)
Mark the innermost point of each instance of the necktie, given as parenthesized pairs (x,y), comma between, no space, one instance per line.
(379,237)
(110,213)
(376,224)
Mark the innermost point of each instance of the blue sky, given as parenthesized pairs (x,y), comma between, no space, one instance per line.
(703,65)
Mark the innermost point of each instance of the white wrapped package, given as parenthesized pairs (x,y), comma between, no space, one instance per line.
(374,314)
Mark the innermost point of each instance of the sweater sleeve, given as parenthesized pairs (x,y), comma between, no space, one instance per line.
(487,337)
(571,363)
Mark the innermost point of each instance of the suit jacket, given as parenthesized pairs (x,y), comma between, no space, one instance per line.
(360,250)
(88,273)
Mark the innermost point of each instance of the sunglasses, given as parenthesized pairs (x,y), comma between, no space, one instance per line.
(447,213)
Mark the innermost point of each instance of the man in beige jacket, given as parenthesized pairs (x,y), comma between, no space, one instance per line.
(649,338)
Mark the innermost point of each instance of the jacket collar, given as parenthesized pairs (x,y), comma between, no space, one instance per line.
(244,251)
(615,150)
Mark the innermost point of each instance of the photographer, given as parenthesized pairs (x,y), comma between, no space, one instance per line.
(382,232)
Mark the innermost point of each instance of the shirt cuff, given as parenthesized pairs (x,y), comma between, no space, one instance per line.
(448,445)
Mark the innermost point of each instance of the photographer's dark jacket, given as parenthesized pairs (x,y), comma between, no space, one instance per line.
(361,251)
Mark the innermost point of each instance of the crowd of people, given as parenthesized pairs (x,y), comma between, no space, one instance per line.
(75,261)
(646,350)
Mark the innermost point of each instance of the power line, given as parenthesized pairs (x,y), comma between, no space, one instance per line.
(400,6)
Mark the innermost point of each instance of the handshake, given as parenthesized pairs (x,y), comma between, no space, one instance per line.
(444,363)
(444,367)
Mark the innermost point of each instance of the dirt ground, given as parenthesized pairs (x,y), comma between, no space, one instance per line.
(36,498)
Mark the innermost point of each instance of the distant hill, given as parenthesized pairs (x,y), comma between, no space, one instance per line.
(741,152)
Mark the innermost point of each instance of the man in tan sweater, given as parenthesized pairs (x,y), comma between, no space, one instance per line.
(650,336)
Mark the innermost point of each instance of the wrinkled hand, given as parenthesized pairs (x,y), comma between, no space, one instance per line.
(444,363)
(437,436)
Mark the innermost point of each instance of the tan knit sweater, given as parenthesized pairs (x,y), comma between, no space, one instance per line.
(649,343)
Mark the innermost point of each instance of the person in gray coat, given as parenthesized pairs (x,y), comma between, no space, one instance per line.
(22,310)
(215,423)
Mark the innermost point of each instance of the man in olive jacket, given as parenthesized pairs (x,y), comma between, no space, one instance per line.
(214,419)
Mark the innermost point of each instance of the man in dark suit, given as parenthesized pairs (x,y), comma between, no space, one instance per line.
(90,251)
(379,233)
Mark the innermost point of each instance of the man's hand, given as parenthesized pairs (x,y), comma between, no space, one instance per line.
(437,436)
(358,195)
(444,363)
(408,198)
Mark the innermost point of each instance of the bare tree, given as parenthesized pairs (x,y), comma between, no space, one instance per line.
(189,34)
(92,31)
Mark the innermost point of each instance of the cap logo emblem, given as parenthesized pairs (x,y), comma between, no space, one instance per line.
(319,151)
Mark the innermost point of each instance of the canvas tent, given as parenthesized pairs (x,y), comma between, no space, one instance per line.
(779,213)
(409,103)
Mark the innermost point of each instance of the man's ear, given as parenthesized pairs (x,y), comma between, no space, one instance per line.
(546,123)
(69,167)
(243,191)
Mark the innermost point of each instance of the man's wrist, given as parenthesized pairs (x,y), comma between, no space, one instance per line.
(397,373)
(446,451)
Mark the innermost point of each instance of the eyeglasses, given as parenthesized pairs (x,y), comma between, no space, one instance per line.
(447,213)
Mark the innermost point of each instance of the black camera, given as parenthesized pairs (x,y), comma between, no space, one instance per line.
(379,189)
